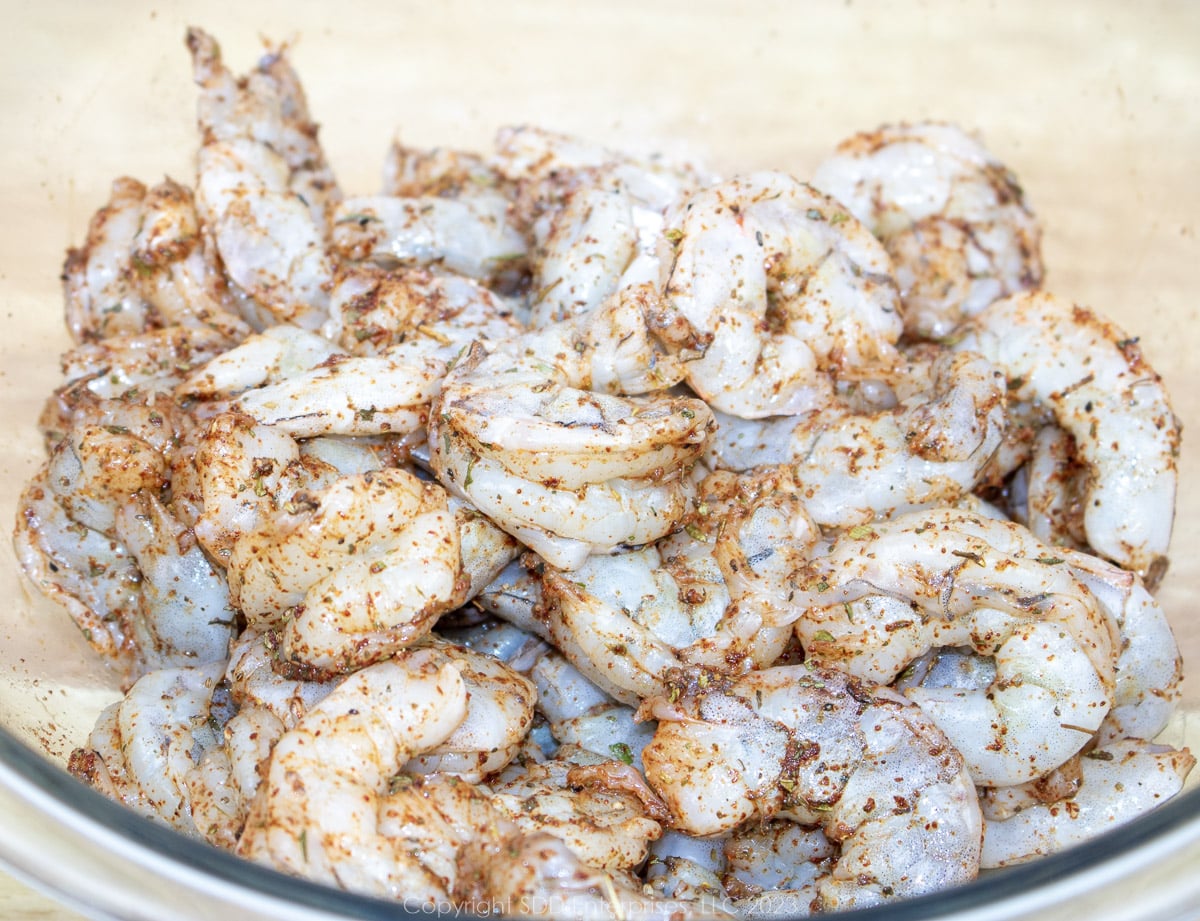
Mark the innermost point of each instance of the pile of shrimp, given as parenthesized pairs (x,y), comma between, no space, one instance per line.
(562,532)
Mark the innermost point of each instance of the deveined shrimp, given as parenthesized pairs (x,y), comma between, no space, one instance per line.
(707,595)
(144,745)
(145,266)
(568,470)
(342,754)
(886,593)
(263,185)
(1100,388)
(353,572)
(817,747)
(953,219)
(930,449)
(1118,782)
(776,292)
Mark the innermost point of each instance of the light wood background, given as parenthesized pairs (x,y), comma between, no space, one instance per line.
(1093,104)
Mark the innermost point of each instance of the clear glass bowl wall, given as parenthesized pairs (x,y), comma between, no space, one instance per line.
(1092,105)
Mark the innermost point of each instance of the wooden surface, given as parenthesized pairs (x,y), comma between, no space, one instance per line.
(1092,104)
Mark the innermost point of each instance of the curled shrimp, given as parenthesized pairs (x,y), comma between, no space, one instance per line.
(145,745)
(953,219)
(1102,391)
(929,449)
(525,431)
(709,595)
(352,573)
(775,291)
(888,592)
(817,747)
(145,266)
(263,186)
(1118,782)
(343,752)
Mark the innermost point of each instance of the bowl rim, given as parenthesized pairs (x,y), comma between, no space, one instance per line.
(1113,856)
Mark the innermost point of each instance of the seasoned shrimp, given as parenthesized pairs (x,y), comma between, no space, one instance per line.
(596,217)
(815,746)
(886,593)
(1118,783)
(710,594)
(602,809)
(500,704)
(472,236)
(930,449)
(352,573)
(373,310)
(1102,391)
(773,870)
(145,266)
(776,292)
(342,753)
(567,470)
(144,745)
(953,219)
(277,353)
(263,186)
(539,876)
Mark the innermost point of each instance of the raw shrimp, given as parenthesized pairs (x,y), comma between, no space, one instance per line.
(144,745)
(1101,390)
(773,870)
(569,471)
(184,612)
(1119,782)
(263,187)
(888,592)
(352,573)
(775,293)
(929,449)
(600,808)
(953,219)
(817,747)
(538,876)
(472,236)
(157,360)
(277,353)
(500,704)
(707,595)
(145,266)
(342,754)
(372,310)
(596,217)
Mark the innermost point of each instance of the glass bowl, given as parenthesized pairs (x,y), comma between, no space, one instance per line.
(1092,105)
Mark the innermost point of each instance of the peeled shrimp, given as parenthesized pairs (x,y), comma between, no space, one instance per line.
(263,185)
(568,471)
(888,592)
(707,595)
(500,704)
(815,746)
(1101,390)
(342,754)
(929,449)
(353,573)
(144,745)
(775,292)
(144,266)
(953,219)
(773,870)
(1119,782)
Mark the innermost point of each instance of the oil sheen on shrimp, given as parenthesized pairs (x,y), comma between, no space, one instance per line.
(954,219)
(819,748)
(1101,389)
(775,291)
(886,593)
